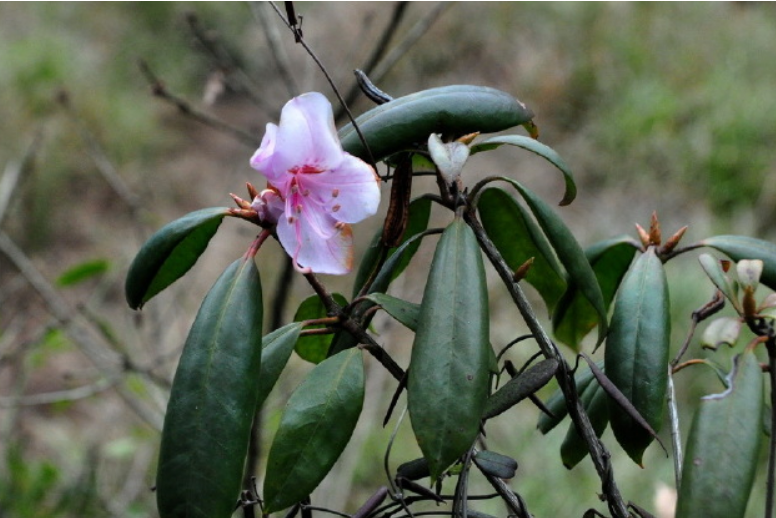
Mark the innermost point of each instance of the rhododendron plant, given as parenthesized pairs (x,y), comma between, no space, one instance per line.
(315,189)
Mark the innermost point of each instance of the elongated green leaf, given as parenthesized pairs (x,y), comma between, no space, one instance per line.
(448,373)
(403,311)
(574,448)
(314,348)
(213,400)
(574,316)
(170,253)
(518,239)
(520,387)
(83,271)
(636,358)
(276,349)
(570,254)
(315,427)
(723,446)
(557,402)
(538,148)
(742,247)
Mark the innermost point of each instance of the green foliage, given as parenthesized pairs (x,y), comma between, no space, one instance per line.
(723,445)
(316,426)
(637,351)
(314,348)
(448,374)
(213,400)
(170,253)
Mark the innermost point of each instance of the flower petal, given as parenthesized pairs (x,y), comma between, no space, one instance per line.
(306,135)
(262,158)
(332,256)
(351,192)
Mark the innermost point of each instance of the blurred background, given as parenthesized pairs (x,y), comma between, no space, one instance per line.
(116,118)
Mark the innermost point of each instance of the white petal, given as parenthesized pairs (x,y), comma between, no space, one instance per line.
(350,193)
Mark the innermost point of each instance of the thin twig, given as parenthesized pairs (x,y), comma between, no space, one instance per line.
(110,364)
(399,9)
(160,90)
(59,396)
(13,172)
(225,62)
(408,41)
(259,10)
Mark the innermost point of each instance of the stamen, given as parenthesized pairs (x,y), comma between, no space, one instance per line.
(335,208)
(298,209)
(334,193)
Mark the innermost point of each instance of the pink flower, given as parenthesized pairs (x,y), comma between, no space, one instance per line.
(315,189)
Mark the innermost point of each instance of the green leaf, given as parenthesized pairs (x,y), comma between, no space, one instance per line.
(83,271)
(520,387)
(276,349)
(314,348)
(495,464)
(518,238)
(721,280)
(574,316)
(538,148)
(741,247)
(406,122)
(170,253)
(570,254)
(636,358)
(316,425)
(723,446)
(213,400)
(403,311)
(557,401)
(574,448)
(448,374)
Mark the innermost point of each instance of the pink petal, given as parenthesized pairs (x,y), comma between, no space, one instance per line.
(262,158)
(306,135)
(332,256)
(350,193)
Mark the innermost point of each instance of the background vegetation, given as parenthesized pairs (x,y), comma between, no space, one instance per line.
(655,107)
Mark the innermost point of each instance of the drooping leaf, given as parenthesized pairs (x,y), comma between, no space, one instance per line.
(448,373)
(569,253)
(538,148)
(518,239)
(520,387)
(636,356)
(574,316)
(170,253)
(316,425)
(574,448)
(557,402)
(403,311)
(276,349)
(314,348)
(723,446)
(213,400)
(83,271)
(742,247)
(495,464)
